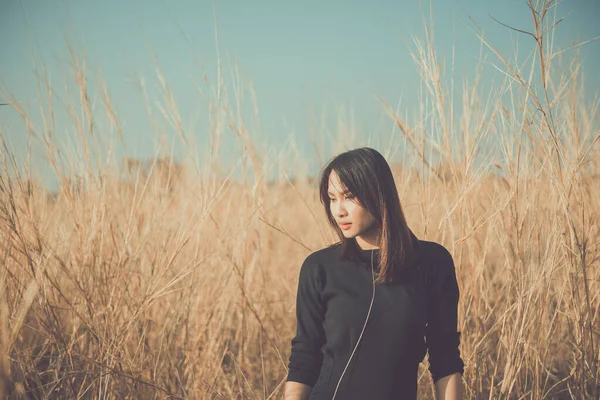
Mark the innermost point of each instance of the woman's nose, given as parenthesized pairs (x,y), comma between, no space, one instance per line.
(341,210)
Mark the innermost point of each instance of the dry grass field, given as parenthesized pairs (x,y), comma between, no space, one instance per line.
(162,280)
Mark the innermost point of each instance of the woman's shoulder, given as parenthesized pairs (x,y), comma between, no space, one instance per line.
(313,268)
(435,259)
(434,250)
(324,256)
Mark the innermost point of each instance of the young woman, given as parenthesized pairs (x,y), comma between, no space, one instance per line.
(371,305)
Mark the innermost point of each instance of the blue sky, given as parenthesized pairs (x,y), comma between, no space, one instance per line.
(306,60)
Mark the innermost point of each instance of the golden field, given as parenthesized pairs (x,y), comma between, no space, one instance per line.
(161,280)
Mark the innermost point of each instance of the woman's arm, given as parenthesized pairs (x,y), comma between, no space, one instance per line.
(441,335)
(306,357)
(449,388)
(296,391)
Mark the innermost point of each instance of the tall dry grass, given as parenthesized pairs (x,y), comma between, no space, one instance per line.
(166,280)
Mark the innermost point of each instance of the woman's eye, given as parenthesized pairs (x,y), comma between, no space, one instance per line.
(331,199)
(350,197)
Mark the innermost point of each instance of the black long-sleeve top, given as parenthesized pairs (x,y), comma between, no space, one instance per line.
(418,313)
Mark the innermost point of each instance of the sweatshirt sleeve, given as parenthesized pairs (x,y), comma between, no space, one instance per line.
(441,335)
(306,356)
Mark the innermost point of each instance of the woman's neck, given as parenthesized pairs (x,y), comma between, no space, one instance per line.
(368,240)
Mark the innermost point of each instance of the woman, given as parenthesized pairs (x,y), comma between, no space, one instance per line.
(370,306)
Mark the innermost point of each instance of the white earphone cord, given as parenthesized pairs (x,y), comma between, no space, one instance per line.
(361,333)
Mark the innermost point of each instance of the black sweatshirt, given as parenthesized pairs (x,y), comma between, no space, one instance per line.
(409,317)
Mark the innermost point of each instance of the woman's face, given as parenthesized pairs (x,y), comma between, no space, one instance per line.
(350,215)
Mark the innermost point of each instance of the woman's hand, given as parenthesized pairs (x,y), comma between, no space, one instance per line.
(450,388)
(296,391)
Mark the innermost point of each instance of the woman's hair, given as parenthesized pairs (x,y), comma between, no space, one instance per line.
(367,175)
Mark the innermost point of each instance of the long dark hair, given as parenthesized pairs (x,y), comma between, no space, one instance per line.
(367,175)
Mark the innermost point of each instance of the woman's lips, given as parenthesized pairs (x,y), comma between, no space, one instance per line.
(345,226)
